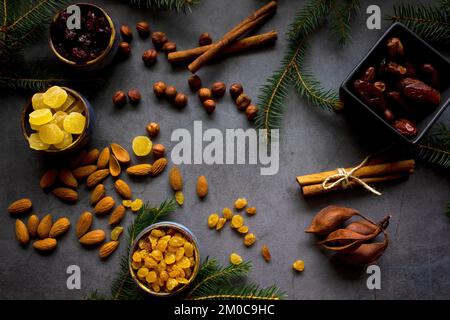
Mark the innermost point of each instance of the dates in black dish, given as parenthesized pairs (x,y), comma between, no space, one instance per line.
(84,44)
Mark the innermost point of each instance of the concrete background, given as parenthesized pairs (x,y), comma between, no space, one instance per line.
(415,265)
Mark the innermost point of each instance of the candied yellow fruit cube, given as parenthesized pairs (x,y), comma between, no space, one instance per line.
(40,117)
(36,143)
(55,97)
(74,123)
(50,133)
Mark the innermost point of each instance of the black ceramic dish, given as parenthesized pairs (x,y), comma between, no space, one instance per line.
(421,51)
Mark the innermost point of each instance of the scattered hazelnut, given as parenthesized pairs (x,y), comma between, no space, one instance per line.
(236,90)
(180,100)
(171,92)
(153,129)
(209,105)
(124,50)
(149,57)
(195,83)
(126,32)
(243,101)
(158,151)
(204,94)
(169,47)
(218,89)
(159,39)
(119,98)
(143,28)
(251,112)
(134,96)
(159,88)
(204,39)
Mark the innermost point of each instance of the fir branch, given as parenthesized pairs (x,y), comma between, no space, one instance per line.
(448,208)
(248,292)
(341,17)
(176,5)
(436,149)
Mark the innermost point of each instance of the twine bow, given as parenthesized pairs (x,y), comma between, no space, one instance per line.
(345,176)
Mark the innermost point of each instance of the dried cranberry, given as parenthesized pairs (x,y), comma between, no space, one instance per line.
(79,54)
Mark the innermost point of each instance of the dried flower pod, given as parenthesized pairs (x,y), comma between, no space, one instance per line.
(365,254)
(369,75)
(418,91)
(330,218)
(395,48)
(343,240)
(430,75)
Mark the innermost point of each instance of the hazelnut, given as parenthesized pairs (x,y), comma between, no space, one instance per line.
(149,57)
(124,50)
(243,101)
(251,112)
(153,129)
(209,105)
(126,32)
(171,92)
(134,96)
(195,83)
(169,47)
(158,151)
(204,94)
(236,90)
(204,39)
(159,39)
(119,98)
(143,28)
(218,89)
(159,88)
(180,100)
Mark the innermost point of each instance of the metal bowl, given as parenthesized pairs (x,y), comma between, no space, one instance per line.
(187,234)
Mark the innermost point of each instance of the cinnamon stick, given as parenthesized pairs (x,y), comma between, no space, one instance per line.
(370,171)
(240,29)
(238,46)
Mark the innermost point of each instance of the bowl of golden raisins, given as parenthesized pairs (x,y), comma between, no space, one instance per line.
(164,259)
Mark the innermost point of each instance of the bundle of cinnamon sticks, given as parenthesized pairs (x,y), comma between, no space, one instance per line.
(230,42)
(312,184)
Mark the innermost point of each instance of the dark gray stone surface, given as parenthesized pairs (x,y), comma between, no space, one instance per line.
(416,263)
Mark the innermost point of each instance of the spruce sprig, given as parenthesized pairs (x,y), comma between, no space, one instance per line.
(436,149)
(176,5)
(341,18)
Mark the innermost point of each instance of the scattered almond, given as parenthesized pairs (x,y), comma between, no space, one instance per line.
(103,158)
(266,253)
(202,187)
(59,227)
(158,166)
(97,177)
(91,157)
(104,206)
(84,224)
(45,244)
(175,179)
(68,179)
(66,194)
(32,225)
(93,237)
(114,166)
(84,171)
(117,215)
(108,248)
(44,226)
(48,179)
(22,232)
(140,169)
(97,194)
(123,189)
(20,206)
(120,153)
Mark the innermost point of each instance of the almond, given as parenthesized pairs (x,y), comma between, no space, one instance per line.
(59,227)
(123,189)
(93,237)
(140,169)
(48,179)
(20,206)
(45,244)
(120,153)
(104,205)
(83,224)
(98,193)
(202,186)
(84,171)
(32,225)
(117,215)
(68,179)
(175,179)
(266,253)
(66,194)
(97,177)
(22,232)
(108,248)
(44,226)
(158,166)
(114,166)
(76,160)
(91,157)
(103,158)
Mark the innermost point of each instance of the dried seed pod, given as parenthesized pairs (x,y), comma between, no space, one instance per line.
(362,227)
(330,218)
(366,253)
(395,48)
(345,239)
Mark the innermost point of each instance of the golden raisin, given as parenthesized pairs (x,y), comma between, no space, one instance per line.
(249,239)
(235,259)
(240,203)
(227,213)
(251,211)
(220,223)
(243,229)
(212,220)
(298,265)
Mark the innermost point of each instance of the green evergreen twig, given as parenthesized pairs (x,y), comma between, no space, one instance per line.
(176,5)
(436,149)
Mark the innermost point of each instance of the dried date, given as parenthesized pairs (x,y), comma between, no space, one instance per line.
(370,95)
(406,127)
(418,91)
(430,75)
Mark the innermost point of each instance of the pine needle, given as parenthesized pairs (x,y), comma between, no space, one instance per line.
(341,18)
(176,5)
(436,149)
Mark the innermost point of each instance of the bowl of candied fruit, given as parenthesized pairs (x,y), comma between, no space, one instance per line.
(83,36)
(164,259)
(57,120)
